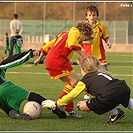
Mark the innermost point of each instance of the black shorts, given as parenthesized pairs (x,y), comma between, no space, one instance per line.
(102,107)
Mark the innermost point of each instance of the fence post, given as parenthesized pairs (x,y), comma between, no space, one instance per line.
(126,32)
(114,33)
(28,39)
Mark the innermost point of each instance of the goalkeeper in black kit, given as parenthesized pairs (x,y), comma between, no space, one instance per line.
(107,92)
(11,95)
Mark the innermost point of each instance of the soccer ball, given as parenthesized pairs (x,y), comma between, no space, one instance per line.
(33,109)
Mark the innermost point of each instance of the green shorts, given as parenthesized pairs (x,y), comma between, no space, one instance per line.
(11,96)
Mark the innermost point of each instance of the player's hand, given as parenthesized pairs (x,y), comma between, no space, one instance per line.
(109,45)
(48,104)
(36,62)
(82,104)
(36,53)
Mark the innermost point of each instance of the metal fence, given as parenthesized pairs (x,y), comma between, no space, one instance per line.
(38,31)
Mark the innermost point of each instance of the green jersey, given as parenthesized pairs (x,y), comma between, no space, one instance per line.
(11,95)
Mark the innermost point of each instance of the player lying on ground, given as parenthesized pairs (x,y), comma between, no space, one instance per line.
(107,92)
(11,95)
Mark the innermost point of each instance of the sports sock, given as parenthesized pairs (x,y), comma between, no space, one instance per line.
(36,97)
(130,104)
(113,111)
(69,107)
(85,92)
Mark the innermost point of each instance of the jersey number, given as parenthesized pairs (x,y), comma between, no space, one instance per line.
(106,76)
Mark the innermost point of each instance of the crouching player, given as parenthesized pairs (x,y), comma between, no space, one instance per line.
(107,92)
(11,95)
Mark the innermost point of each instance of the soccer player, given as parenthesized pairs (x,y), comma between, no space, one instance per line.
(6,43)
(18,41)
(58,53)
(107,92)
(11,95)
(96,47)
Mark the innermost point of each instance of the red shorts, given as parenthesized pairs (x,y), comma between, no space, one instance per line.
(58,66)
(58,74)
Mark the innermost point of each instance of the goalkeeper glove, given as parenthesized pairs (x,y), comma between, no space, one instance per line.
(48,104)
(52,105)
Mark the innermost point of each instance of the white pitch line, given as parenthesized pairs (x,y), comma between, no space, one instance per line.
(126,75)
(39,73)
(120,66)
(26,73)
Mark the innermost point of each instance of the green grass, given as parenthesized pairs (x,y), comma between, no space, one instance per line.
(37,79)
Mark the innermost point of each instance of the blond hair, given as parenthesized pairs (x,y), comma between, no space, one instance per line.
(92,64)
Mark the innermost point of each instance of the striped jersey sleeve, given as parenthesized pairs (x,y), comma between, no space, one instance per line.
(16,60)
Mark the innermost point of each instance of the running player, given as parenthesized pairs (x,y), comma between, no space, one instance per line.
(58,53)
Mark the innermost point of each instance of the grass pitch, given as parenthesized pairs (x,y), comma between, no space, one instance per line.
(36,79)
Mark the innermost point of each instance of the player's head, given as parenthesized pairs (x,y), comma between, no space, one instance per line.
(91,14)
(92,64)
(86,30)
(6,34)
(91,9)
(15,16)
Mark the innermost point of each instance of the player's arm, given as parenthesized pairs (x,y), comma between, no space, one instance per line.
(106,37)
(74,37)
(81,55)
(17,59)
(21,29)
(44,50)
(108,42)
(72,95)
(11,27)
(67,98)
